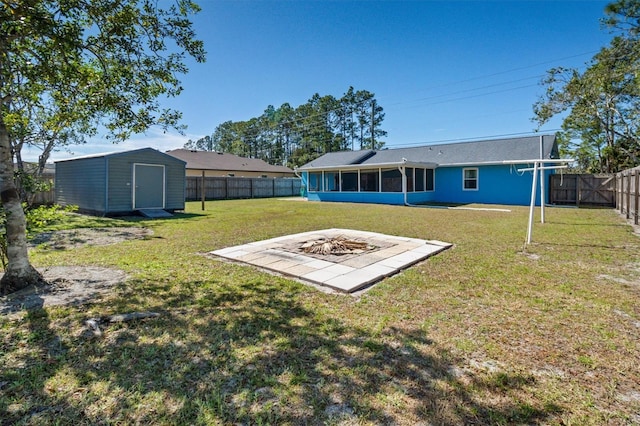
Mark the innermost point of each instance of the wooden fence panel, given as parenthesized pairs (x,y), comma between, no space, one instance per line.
(262,188)
(628,194)
(599,190)
(219,188)
(239,188)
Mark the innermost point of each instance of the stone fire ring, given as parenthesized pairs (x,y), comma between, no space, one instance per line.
(384,255)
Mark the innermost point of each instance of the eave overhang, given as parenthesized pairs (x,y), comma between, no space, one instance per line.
(390,165)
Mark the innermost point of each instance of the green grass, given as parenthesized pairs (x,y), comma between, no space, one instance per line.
(488,332)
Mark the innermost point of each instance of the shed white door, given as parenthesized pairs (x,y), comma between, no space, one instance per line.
(148,186)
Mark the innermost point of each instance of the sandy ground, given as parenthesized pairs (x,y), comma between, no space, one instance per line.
(72,284)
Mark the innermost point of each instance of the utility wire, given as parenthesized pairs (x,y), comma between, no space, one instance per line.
(477,138)
(361,103)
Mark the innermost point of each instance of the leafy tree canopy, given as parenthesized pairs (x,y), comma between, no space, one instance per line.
(293,136)
(69,68)
(601,128)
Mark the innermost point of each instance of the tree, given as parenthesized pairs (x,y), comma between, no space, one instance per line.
(295,136)
(602,104)
(203,144)
(82,65)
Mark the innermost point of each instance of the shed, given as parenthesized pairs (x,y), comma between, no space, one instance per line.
(119,183)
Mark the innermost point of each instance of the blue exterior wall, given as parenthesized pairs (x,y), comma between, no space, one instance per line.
(81,183)
(103,184)
(120,177)
(499,184)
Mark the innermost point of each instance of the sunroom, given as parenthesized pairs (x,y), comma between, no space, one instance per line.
(404,182)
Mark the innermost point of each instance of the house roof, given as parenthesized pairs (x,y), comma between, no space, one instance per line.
(494,151)
(119,153)
(208,160)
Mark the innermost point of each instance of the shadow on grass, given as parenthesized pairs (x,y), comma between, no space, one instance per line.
(252,354)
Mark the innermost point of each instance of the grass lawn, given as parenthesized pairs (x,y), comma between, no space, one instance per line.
(483,333)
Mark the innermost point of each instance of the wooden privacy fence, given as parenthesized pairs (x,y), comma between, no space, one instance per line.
(628,193)
(597,190)
(220,188)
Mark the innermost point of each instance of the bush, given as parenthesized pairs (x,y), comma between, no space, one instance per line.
(37,219)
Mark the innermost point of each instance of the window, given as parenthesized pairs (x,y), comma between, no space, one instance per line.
(409,173)
(419,180)
(391,180)
(369,180)
(430,184)
(470,179)
(349,181)
(314,181)
(331,181)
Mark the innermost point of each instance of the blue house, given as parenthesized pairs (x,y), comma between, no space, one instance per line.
(486,171)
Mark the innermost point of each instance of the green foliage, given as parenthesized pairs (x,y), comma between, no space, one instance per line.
(294,136)
(601,128)
(37,219)
(94,65)
(43,216)
(69,68)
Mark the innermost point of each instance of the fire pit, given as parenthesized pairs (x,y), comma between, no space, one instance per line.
(339,259)
(339,245)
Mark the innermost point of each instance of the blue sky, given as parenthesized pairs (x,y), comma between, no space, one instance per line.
(442,70)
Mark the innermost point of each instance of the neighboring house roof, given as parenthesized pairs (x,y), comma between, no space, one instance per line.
(118,153)
(208,160)
(495,151)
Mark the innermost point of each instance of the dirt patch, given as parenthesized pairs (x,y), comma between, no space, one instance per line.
(72,238)
(67,285)
(72,285)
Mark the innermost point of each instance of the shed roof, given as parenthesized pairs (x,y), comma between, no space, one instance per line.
(209,160)
(494,151)
(119,153)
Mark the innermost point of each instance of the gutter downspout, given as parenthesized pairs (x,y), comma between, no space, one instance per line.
(295,172)
(404,184)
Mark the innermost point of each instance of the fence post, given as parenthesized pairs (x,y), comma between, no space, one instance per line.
(637,197)
(628,195)
(203,195)
(615,193)
(578,187)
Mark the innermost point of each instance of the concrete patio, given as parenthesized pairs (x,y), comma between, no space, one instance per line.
(346,272)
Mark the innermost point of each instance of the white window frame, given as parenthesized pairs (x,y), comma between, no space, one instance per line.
(464,178)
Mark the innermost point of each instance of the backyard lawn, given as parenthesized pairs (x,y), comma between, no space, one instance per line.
(487,332)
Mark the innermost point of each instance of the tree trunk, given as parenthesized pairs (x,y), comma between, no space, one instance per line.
(19,272)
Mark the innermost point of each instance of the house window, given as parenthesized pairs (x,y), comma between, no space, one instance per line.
(369,180)
(470,179)
(419,180)
(429,178)
(391,180)
(409,173)
(331,181)
(349,181)
(314,181)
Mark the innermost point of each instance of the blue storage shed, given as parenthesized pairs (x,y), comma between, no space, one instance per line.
(121,183)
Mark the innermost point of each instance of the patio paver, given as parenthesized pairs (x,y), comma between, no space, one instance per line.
(389,255)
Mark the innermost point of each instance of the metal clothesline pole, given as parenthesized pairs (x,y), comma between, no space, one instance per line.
(534,187)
